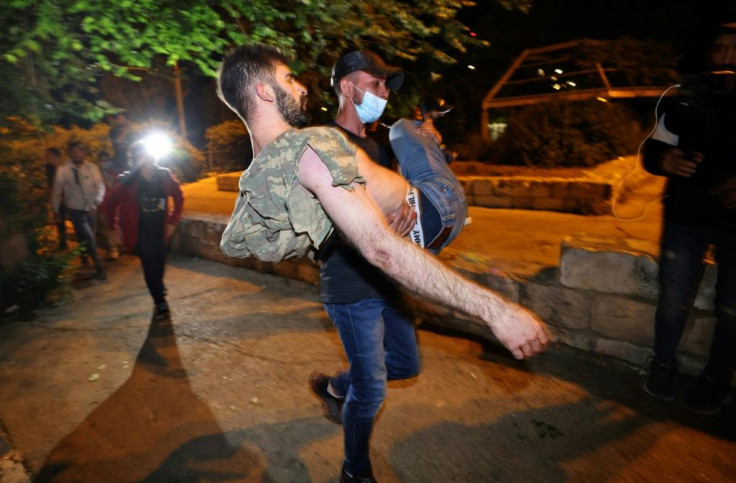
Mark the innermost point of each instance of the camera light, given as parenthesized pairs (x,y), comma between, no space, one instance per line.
(158,145)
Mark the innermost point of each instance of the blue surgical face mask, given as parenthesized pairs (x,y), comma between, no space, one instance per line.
(371,108)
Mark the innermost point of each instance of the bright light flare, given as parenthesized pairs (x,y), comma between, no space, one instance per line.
(158,145)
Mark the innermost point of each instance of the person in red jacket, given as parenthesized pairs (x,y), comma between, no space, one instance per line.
(142,219)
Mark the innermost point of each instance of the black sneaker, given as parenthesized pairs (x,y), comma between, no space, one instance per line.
(346,477)
(100,275)
(661,381)
(161,311)
(708,396)
(331,405)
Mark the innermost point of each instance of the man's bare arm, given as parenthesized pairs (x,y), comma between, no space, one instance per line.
(358,217)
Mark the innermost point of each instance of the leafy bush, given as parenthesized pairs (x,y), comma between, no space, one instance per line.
(475,147)
(229,145)
(29,284)
(29,270)
(583,133)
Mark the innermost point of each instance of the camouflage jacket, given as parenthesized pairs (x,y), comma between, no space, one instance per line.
(275,217)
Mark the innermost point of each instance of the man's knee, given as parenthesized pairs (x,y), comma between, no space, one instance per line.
(370,392)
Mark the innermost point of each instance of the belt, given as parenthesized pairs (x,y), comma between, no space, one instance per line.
(440,239)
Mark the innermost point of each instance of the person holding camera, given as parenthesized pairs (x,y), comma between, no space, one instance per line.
(142,219)
(694,146)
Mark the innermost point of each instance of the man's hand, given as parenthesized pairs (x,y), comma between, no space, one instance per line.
(519,331)
(402,220)
(169,230)
(57,217)
(116,237)
(726,193)
(427,129)
(677,163)
(92,211)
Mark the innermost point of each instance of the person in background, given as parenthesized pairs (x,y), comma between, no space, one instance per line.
(53,161)
(694,146)
(80,185)
(142,220)
(112,173)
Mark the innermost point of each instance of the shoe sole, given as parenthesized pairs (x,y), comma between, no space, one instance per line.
(710,411)
(669,398)
(330,415)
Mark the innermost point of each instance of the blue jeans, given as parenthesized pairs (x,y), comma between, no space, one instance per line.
(680,272)
(380,344)
(85,226)
(424,166)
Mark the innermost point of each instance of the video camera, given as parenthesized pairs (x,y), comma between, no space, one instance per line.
(716,82)
(707,108)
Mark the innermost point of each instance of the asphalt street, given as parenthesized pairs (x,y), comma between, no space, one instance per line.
(94,391)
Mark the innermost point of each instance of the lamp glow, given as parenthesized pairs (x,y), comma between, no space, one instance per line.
(157,145)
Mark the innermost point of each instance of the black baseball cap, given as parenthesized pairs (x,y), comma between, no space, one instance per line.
(367,61)
(438,104)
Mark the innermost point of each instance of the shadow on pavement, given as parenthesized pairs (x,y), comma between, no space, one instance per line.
(607,378)
(521,446)
(152,428)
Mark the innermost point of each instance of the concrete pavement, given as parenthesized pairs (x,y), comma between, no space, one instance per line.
(93,391)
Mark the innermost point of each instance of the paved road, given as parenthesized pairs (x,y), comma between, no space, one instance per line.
(92,391)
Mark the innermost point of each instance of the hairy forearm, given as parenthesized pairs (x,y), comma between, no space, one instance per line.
(424,275)
(357,216)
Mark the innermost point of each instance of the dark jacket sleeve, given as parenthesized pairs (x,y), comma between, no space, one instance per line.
(652,154)
(173,189)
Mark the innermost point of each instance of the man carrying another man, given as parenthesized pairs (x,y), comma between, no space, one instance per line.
(301,183)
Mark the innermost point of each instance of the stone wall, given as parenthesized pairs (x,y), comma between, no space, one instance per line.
(535,193)
(601,298)
(560,194)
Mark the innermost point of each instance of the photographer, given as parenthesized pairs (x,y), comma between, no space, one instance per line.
(694,146)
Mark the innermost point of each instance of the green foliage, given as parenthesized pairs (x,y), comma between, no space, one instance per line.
(28,270)
(56,50)
(636,62)
(229,145)
(32,282)
(583,133)
(474,147)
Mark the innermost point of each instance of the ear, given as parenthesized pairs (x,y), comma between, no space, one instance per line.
(265,92)
(346,87)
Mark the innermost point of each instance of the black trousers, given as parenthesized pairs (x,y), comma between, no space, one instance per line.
(151,249)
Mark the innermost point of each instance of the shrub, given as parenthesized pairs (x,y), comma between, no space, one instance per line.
(583,133)
(29,271)
(229,146)
(475,147)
